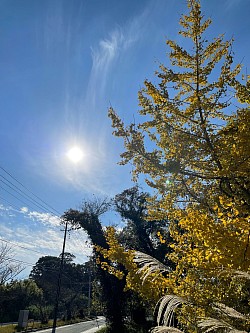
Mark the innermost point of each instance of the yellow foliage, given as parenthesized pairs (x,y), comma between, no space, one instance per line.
(151,290)
(193,148)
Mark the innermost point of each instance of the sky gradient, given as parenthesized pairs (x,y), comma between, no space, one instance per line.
(62,64)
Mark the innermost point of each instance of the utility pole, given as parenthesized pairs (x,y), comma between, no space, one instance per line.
(59,280)
(89,293)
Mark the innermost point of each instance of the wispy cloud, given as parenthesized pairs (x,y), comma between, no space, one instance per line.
(6,231)
(44,218)
(108,51)
(232,3)
(53,27)
(103,57)
(86,110)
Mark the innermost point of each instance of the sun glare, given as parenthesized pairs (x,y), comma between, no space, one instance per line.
(75,154)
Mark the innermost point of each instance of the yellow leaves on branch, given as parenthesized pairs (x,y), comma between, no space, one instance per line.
(162,240)
(206,245)
(213,241)
(234,138)
(151,290)
(154,93)
(198,123)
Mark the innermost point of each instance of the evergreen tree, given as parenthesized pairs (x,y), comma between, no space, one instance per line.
(74,278)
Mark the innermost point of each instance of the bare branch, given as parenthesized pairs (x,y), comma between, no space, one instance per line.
(8,268)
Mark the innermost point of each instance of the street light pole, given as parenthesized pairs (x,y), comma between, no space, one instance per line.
(59,280)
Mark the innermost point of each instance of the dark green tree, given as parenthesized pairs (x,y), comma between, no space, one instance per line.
(16,296)
(74,277)
(139,233)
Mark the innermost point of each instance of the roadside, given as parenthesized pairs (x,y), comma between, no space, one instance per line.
(91,330)
(94,329)
(88,326)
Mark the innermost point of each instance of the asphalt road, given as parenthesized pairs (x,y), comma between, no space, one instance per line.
(78,328)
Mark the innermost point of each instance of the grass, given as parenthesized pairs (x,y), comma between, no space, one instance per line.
(102,330)
(128,329)
(7,329)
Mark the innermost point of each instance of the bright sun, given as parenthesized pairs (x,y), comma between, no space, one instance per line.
(75,154)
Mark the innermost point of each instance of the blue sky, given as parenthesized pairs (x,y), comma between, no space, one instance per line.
(62,64)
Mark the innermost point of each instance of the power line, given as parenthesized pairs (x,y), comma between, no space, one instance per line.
(28,190)
(9,203)
(22,201)
(80,243)
(21,246)
(22,193)
(14,196)
(21,196)
(21,262)
(18,210)
(45,269)
(42,253)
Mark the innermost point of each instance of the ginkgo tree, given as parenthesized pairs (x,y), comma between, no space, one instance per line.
(192,146)
(194,120)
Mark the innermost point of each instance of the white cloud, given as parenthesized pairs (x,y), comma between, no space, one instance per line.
(6,231)
(5,208)
(45,218)
(24,210)
(30,241)
(29,245)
